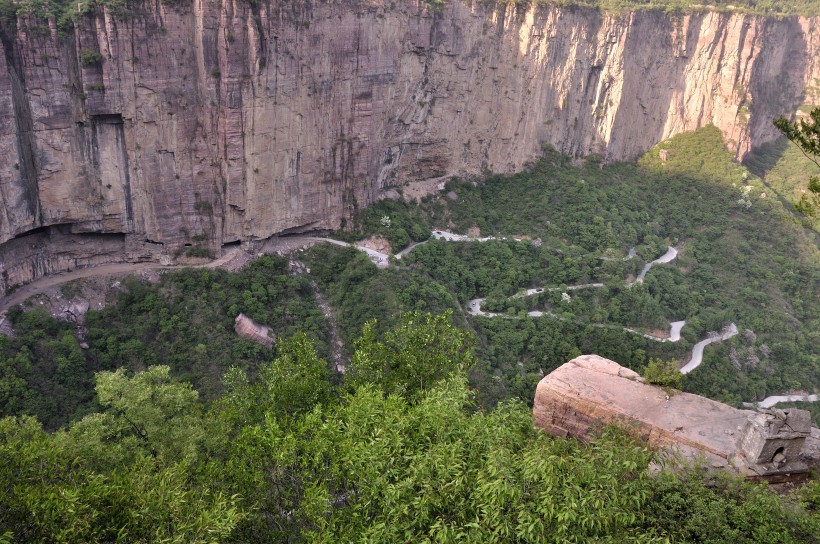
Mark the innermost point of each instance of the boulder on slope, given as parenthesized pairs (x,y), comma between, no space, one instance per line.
(590,391)
(253,331)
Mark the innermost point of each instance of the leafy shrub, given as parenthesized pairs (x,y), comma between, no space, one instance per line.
(663,373)
(89,57)
(198,252)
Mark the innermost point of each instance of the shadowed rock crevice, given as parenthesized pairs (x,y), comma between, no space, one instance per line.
(27,203)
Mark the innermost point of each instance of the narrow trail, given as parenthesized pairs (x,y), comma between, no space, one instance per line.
(46,282)
(382,261)
(769,402)
(336,343)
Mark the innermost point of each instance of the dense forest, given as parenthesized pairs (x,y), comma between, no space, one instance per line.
(152,421)
(185,321)
(399,452)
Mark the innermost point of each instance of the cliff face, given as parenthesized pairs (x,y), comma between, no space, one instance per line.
(209,123)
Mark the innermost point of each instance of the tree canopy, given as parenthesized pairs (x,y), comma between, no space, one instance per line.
(805,133)
(398,453)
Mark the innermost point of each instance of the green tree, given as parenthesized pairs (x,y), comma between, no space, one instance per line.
(124,475)
(422,350)
(295,382)
(663,373)
(145,414)
(805,133)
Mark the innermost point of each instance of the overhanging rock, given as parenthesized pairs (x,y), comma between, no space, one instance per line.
(591,391)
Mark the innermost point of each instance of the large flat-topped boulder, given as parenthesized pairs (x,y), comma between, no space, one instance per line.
(590,391)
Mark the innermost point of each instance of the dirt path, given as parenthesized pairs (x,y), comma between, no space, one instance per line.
(336,343)
(229,260)
(46,282)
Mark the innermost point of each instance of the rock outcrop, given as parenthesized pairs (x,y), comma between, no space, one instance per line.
(590,391)
(253,331)
(5,326)
(200,123)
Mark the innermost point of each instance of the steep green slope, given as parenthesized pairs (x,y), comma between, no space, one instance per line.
(743,258)
(785,170)
(185,321)
(291,458)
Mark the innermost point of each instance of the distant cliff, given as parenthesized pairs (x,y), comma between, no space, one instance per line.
(207,123)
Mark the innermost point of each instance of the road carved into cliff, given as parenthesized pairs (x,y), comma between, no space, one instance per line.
(382,261)
(46,282)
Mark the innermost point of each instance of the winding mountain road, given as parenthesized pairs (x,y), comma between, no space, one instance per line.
(669,256)
(697,350)
(382,261)
(675,327)
(768,402)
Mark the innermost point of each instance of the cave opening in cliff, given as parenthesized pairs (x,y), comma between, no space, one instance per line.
(107,118)
(31,232)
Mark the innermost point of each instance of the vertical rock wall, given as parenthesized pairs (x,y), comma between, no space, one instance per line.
(204,123)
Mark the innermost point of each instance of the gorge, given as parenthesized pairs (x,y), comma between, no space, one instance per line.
(334,271)
(181,128)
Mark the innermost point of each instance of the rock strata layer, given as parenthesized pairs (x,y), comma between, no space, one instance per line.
(200,124)
(590,391)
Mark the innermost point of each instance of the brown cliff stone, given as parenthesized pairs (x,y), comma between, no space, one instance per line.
(376,243)
(234,121)
(590,391)
(248,328)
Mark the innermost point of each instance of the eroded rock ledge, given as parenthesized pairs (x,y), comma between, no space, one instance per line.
(590,391)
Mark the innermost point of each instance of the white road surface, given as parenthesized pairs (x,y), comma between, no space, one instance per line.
(697,351)
(670,255)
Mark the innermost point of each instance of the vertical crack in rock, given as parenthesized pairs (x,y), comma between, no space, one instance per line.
(26,150)
(245,120)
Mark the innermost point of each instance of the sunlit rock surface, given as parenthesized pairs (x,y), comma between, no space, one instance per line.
(206,123)
(590,391)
